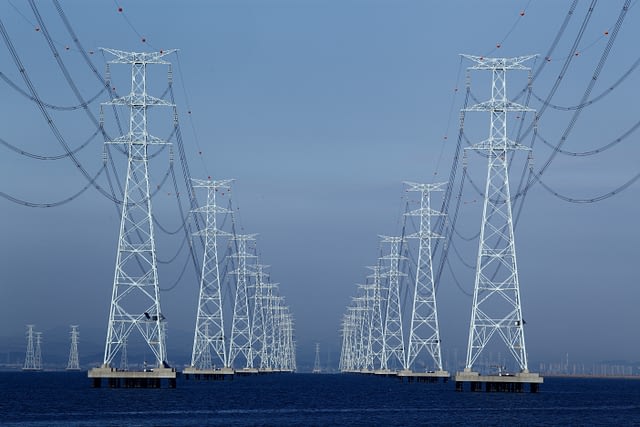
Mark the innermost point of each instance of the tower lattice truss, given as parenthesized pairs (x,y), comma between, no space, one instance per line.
(135,303)
(496,308)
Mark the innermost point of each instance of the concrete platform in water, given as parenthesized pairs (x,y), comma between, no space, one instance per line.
(208,374)
(115,378)
(505,382)
(247,371)
(424,377)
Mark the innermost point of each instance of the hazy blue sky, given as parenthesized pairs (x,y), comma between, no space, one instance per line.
(320,109)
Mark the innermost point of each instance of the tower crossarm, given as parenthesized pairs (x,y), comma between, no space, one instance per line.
(499,106)
(492,145)
(484,63)
(415,186)
(130,139)
(204,183)
(139,100)
(122,57)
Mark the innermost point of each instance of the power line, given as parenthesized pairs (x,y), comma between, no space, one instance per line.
(15,148)
(48,119)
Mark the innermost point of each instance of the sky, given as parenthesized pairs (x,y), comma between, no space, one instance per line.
(320,110)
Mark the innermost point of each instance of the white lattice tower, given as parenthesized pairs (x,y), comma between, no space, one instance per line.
(258,336)
(283,326)
(362,331)
(38,352)
(394,355)
(30,355)
(425,332)
(496,297)
(241,324)
(277,352)
(135,301)
(209,337)
(316,362)
(287,340)
(349,340)
(267,358)
(74,363)
(376,335)
(291,342)
(368,291)
(344,349)
(284,343)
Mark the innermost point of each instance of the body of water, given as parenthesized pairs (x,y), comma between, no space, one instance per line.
(67,399)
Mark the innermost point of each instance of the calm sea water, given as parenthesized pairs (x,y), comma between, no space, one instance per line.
(66,399)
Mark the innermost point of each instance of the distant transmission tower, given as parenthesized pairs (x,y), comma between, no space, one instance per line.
(376,329)
(38,353)
(496,295)
(241,325)
(394,356)
(316,364)
(135,302)
(74,363)
(267,357)
(209,333)
(30,356)
(258,321)
(425,332)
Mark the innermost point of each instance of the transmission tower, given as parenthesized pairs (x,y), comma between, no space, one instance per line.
(425,333)
(394,355)
(74,363)
(288,343)
(362,328)
(368,291)
(316,363)
(267,358)
(135,301)
(241,325)
(30,356)
(37,359)
(376,329)
(496,295)
(209,332)
(258,323)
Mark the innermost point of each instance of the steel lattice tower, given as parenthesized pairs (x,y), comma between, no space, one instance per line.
(496,296)
(209,332)
(258,323)
(74,363)
(288,343)
(30,356)
(361,332)
(316,363)
(135,302)
(368,291)
(345,353)
(268,357)
(241,325)
(393,336)
(37,359)
(425,332)
(376,329)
